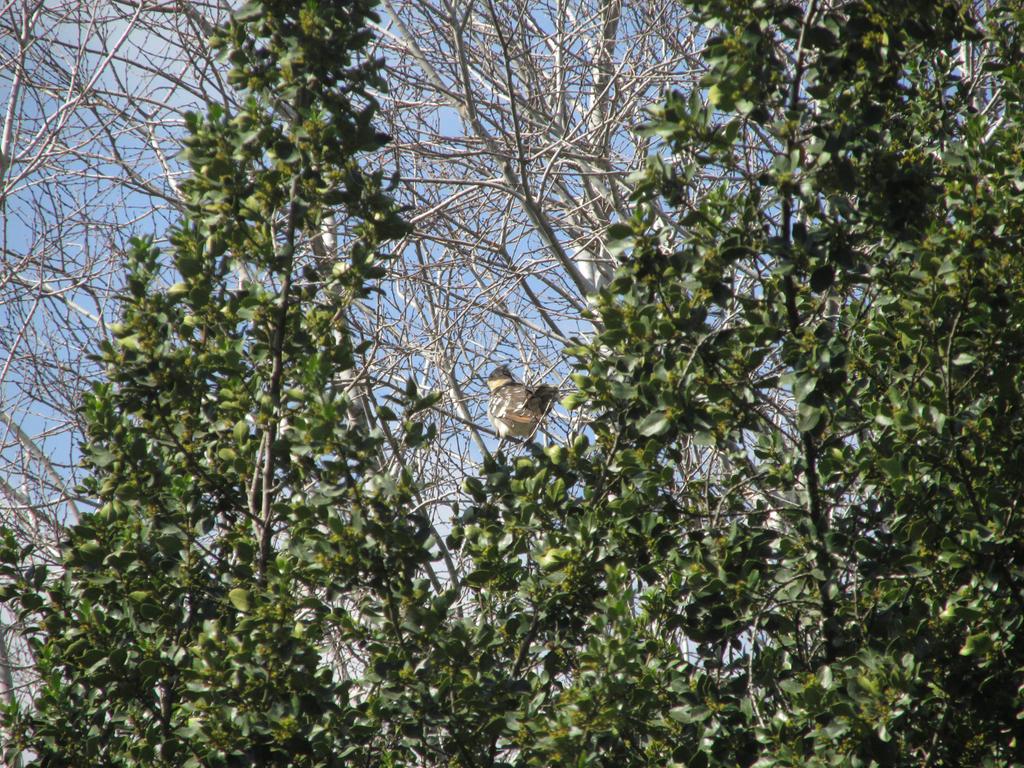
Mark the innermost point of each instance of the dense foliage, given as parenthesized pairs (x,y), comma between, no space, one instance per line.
(846,327)
(792,534)
(196,608)
(797,540)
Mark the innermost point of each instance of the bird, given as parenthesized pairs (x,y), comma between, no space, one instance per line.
(516,409)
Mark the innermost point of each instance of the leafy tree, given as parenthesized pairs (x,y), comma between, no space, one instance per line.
(791,535)
(794,538)
(198,604)
(509,235)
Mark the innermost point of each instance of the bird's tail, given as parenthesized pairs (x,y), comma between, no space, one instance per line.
(547,395)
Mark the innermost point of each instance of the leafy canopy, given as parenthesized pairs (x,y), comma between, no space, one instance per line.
(809,396)
(194,616)
(791,536)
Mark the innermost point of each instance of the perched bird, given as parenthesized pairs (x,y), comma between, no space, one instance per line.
(515,409)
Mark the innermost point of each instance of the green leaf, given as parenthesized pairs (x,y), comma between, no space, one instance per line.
(130,342)
(977,644)
(619,231)
(719,98)
(239,598)
(808,417)
(655,423)
(101,457)
(804,386)
(574,400)
(91,552)
(690,714)
(681,714)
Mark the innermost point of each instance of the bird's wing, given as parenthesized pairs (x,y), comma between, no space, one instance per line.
(514,404)
(527,404)
(541,397)
(516,409)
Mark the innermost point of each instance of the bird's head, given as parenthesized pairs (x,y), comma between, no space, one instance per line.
(499,377)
